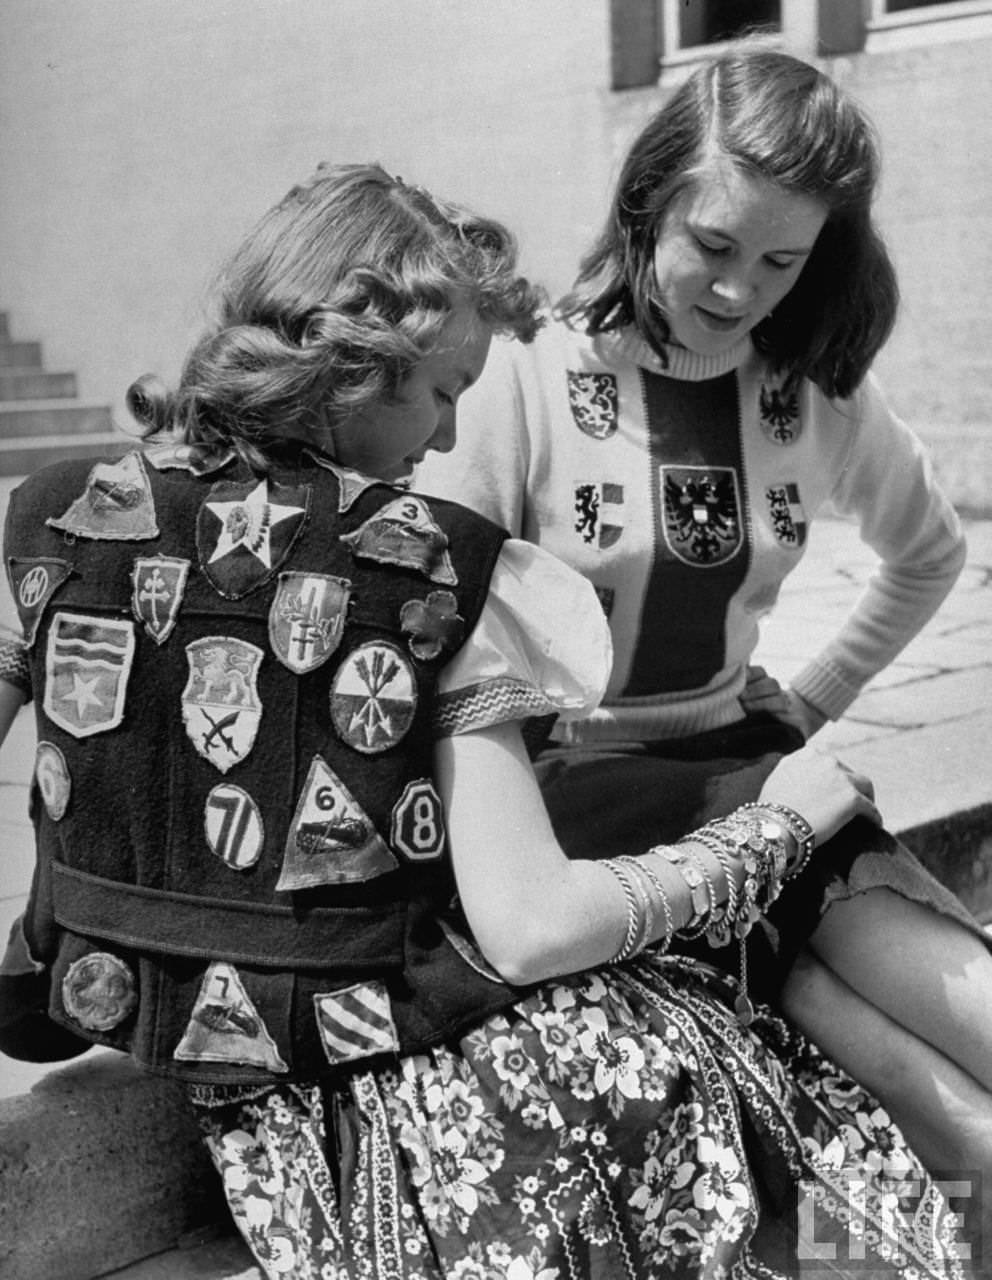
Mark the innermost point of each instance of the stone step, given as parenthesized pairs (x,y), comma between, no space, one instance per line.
(53,419)
(4,326)
(29,384)
(20,355)
(22,456)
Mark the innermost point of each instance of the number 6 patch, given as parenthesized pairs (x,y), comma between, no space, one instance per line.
(418,822)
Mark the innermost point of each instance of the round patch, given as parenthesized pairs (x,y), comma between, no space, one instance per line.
(99,991)
(52,775)
(374,697)
(233,826)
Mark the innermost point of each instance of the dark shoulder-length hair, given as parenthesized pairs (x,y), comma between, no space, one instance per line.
(328,304)
(781,119)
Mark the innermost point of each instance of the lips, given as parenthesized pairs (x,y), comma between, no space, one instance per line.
(718,323)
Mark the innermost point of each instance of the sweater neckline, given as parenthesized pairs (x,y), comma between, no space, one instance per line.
(687,366)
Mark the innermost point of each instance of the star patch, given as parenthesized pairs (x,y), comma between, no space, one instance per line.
(404,532)
(417,828)
(434,624)
(374,697)
(244,532)
(702,514)
(331,839)
(52,776)
(34,581)
(233,826)
(785,511)
(593,399)
(221,706)
(87,666)
(779,414)
(356,1022)
(599,513)
(99,991)
(116,505)
(226,1027)
(157,587)
(307,618)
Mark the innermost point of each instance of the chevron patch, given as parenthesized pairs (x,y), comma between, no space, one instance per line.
(356,1022)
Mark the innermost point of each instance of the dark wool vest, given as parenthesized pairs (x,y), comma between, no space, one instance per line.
(242,870)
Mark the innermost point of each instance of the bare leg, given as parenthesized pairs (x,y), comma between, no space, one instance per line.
(921,968)
(944,1113)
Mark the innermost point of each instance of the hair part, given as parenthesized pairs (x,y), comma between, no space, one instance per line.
(339,291)
(782,120)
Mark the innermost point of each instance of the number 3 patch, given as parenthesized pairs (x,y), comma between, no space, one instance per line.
(418,822)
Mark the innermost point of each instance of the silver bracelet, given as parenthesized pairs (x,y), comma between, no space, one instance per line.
(635,917)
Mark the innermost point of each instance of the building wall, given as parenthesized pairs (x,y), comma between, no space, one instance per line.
(140,138)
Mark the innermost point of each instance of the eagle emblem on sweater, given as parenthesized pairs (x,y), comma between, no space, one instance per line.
(701,514)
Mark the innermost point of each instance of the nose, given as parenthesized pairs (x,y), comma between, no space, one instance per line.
(735,288)
(443,439)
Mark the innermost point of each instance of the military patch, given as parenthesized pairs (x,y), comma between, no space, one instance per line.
(599,513)
(34,582)
(187,457)
(779,414)
(404,532)
(594,401)
(356,1022)
(434,624)
(86,672)
(99,991)
(244,532)
(417,828)
(116,505)
(331,839)
(157,587)
(785,510)
(52,776)
(351,484)
(233,826)
(307,618)
(374,697)
(226,1027)
(702,514)
(221,706)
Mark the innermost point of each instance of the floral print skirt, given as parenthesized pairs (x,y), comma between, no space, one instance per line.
(613,1125)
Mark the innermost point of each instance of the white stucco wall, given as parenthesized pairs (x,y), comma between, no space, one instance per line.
(139,139)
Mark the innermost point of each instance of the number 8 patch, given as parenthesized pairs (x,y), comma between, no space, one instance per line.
(418,822)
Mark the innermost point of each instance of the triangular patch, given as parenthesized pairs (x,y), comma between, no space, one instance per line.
(158,584)
(116,505)
(187,457)
(244,532)
(351,484)
(226,1027)
(33,582)
(331,839)
(404,532)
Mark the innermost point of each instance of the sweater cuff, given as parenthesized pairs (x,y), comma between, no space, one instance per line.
(827,688)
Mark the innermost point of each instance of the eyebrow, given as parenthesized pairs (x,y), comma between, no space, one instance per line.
(705,228)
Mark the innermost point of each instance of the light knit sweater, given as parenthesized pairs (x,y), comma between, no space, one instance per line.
(685,493)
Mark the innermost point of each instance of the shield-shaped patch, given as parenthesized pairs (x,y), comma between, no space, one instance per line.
(225,1026)
(356,1022)
(331,839)
(404,532)
(374,697)
(779,414)
(34,581)
(157,586)
(599,513)
(87,665)
(594,400)
(702,514)
(785,510)
(307,618)
(221,706)
(244,532)
(116,505)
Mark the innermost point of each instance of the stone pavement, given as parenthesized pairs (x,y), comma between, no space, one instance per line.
(922,731)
